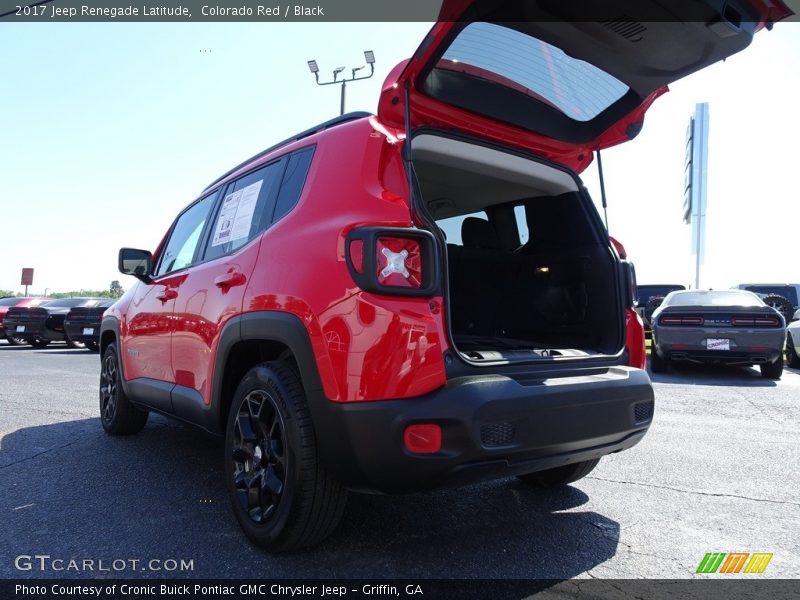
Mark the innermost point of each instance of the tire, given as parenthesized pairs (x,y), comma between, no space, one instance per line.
(15,341)
(282,496)
(92,346)
(39,343)
(781,304)
(793,360)
(71,344)
(657,364)
(772,370)
(560,476)
(117,415)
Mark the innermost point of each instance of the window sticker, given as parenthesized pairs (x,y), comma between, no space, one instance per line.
(236,216)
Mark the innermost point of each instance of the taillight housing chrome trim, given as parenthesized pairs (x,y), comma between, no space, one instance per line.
(393,260)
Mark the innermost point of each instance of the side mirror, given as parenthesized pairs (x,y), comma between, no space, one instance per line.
(136,262)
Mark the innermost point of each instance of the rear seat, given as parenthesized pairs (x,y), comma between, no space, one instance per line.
(478,274)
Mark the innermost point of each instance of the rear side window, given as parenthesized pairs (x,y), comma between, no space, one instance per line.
(181,247)
(293,180)
(245,211)
(452,226)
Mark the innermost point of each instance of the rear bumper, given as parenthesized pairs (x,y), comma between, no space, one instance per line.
(740,357)
(75,331)
(34,331)
(746,347)
(492,427)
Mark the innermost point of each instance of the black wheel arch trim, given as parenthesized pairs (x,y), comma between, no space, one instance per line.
(269,326)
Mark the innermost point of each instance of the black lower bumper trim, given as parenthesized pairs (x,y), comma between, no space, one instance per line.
(531,427)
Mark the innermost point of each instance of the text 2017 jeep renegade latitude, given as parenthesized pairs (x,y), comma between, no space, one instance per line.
(419,298)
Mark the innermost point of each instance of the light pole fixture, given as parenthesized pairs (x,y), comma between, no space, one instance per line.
(369,57)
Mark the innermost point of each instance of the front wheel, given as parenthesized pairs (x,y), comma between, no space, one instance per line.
(117,415)
(560,475)
(282,495)
(772,370)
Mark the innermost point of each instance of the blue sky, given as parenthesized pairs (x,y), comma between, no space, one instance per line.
(108,130)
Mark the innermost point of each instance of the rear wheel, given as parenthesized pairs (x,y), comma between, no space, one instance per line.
(39,343)
(772,370)
(72,344)
(117,415)
(93,346)
(282,495)
(657,364)
(560,475)
(15,341)
(792,358)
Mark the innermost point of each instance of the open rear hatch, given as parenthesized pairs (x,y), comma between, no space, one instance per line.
(562,78)
(504,103)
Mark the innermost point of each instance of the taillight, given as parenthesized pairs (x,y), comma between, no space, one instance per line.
(680,320)
(392,260)
(399,262)
(755,322)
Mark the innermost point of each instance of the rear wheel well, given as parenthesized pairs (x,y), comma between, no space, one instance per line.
(242,357)
(108,338)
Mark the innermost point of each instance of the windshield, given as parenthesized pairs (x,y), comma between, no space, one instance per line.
(713,298)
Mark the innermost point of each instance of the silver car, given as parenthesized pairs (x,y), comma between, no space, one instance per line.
(793,342)
(732,327)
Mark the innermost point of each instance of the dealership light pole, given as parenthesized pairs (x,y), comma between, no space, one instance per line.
(369,56)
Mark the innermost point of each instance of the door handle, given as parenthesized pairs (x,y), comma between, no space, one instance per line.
(167,294)
(230,279)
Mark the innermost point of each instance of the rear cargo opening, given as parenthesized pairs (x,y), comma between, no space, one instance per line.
(530,272)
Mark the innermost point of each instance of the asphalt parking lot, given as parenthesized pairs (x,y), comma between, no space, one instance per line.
(718,472)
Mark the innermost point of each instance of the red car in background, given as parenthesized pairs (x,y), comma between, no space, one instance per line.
(23,302)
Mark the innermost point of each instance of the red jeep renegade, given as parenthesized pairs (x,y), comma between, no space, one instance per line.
(420,298)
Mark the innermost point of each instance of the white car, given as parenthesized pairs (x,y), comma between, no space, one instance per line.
(793,341)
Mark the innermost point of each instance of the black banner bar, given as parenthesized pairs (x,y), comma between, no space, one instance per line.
(423,589)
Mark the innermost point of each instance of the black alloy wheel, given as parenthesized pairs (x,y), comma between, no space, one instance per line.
(259,456)
(281,493)
(117,414)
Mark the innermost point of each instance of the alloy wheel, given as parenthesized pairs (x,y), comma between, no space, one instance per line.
(108,388)
(259,456)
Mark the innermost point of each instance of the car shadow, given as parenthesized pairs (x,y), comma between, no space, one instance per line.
(705,374)
(77,492)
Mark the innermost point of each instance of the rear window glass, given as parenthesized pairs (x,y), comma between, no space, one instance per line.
(8,301)
(647,292)
(520,62)
(721,298)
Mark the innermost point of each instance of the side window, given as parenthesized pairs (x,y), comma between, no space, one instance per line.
(245,210)
(182,244)
(522,223)
(293,179)
(452,226)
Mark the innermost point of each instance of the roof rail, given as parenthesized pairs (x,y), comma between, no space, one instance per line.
(352,116)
